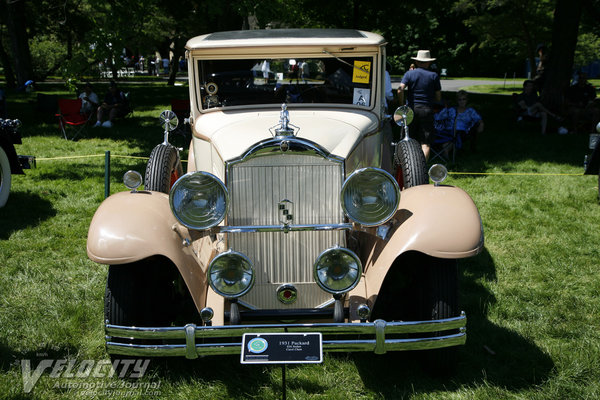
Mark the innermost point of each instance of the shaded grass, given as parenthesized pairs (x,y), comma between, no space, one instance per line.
(531,296)
(510,86)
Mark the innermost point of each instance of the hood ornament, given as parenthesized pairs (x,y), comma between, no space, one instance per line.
(284,128)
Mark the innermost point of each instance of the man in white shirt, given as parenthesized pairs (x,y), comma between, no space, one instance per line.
(89,100)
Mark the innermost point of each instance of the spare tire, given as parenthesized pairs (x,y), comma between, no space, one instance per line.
(410,164)
(163,168)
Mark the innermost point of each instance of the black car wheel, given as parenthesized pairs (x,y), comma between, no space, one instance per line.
(5,178)
(139,294)
(422,288)
(163,168)
(440,300)
(410,164)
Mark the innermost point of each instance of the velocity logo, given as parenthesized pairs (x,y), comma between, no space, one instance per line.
(67,368)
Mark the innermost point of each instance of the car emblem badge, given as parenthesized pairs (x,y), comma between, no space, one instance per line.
(286,216)
(287,294)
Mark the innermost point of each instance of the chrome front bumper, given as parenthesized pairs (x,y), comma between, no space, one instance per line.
(192,341)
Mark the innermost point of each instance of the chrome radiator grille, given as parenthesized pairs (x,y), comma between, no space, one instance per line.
(256,187)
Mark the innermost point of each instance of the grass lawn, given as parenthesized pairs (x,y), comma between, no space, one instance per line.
(510,86)
(531,296)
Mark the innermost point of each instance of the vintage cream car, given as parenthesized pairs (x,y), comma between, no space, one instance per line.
(286,219)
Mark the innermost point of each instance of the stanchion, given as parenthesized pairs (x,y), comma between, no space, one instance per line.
(283,386)
(106,173)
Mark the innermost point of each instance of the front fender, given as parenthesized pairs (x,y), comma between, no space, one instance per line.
(129,227)
(440,221)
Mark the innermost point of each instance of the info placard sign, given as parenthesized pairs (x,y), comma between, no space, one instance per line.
(282,348)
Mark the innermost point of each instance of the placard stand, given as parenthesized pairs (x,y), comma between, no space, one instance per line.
(282,348)
(283,385)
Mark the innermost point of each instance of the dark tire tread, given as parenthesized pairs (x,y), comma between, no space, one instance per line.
(442,302)
(409,156)
(163,163)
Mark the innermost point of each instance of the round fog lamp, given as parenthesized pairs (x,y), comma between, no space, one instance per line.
(231,274)
(337,270)
(199,200)
(438,173)
(132,180)
(370,196)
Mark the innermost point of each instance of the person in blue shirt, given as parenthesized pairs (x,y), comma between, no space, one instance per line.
(424,89)
(462,119)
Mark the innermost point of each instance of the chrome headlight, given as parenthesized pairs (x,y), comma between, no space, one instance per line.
(231,274)
(337,270)
(370,196)
(132,180)
(199,200)
(438,173)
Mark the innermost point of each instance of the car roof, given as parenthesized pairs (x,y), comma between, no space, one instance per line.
(285,37)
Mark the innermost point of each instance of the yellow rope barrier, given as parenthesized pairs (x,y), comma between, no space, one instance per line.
(66,157)
(449,173)
(512,173)
(92,155)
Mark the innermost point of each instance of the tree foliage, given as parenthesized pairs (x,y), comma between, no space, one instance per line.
(468,37)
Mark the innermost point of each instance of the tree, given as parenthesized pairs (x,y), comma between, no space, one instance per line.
(15,21)
(510,28)
(565,28)
(4,57)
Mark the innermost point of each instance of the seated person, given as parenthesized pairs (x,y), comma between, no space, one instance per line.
(582,106)
(462,120)
(114,104)
(528,105)
(89,100)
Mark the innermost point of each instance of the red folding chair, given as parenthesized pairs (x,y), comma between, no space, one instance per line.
(69,114)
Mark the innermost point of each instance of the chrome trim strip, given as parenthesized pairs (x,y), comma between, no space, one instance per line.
(281,228)
(272,145)
(377,337)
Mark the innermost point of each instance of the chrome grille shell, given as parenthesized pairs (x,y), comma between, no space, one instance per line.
(309,178)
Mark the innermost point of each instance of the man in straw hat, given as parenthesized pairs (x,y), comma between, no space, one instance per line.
(424,89)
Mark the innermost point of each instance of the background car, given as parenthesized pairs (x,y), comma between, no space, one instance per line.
(10,162)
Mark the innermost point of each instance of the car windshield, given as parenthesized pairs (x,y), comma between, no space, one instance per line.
(333,80)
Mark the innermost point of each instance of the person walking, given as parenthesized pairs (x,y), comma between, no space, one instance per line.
(424,89)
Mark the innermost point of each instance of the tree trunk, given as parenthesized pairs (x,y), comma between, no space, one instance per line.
(178,44)
(15,21)
(565,29)
(9,75)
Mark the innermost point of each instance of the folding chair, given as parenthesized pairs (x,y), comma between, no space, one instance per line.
(445,140)
(444,145)
(70,115)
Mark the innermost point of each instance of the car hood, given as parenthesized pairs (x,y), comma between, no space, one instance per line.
(232,133)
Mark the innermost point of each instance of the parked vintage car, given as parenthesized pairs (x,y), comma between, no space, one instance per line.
(592,161)
(10,162)
(286,219)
